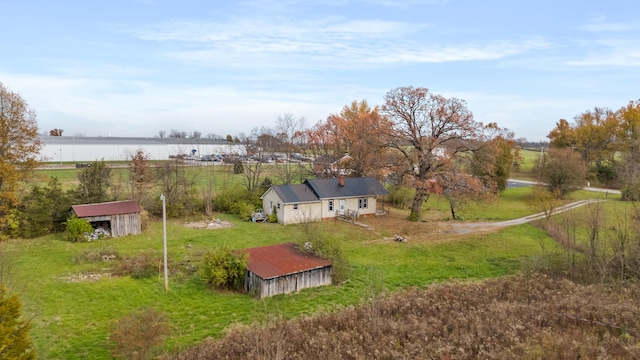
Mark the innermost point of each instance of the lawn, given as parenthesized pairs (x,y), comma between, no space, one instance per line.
(72,312)
(73,300)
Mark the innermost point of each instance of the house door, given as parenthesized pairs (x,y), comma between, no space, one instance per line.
(342,206)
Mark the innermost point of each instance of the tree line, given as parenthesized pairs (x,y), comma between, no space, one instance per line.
(607,143)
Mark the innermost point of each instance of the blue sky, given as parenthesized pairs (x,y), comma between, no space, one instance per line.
(135,67)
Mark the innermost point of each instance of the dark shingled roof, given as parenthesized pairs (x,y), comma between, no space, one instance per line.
(295,193)
(353,186)
(107,208)
(316,189)
(282,259)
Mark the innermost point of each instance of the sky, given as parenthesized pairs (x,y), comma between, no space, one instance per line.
(138,67)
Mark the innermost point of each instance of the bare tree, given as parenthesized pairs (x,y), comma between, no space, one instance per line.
(161,133)
(543,200)
(209,191)
(290,133)
(174,133)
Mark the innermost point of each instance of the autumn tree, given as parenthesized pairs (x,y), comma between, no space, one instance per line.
(562,136)
(325,142)
(593,135)
(140,176)
(628,136)
(562,170)
(461,189)
(19,147)
(359,126)
(493,160)
(428,130)
(55,132)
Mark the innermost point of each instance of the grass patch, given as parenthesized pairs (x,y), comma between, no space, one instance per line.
(73,313)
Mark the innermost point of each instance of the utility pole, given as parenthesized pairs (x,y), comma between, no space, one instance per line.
(164,231)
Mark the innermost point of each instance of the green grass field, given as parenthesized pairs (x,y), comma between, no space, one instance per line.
(73,302)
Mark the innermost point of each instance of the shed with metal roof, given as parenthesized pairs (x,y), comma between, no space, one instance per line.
(120,218)
(282,269)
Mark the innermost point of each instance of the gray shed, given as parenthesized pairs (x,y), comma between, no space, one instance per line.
(121,218)
(283,268)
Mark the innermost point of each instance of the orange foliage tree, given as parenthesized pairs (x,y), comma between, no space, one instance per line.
(19,147)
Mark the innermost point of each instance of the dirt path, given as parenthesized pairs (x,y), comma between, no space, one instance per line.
(466,227)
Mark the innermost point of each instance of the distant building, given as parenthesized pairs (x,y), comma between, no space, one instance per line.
(84,148)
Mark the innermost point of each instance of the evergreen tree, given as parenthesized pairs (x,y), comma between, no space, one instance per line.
(15,342)
(95,181)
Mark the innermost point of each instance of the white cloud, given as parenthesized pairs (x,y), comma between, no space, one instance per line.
(601,25)
(611,52)
(328,43)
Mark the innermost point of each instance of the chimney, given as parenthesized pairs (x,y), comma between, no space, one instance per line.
(341,180)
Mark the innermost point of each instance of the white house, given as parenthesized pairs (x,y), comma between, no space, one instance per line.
(323,199)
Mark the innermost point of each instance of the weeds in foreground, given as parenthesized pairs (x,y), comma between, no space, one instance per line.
(525,316)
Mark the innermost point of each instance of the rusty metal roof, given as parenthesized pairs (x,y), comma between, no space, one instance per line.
(282,259)
(106,208)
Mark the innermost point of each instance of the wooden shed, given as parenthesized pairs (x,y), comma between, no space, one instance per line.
(282,269)
(121,218)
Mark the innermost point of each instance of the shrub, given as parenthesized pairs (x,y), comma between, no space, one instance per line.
(314,241)
(223,268)
(92,256)
(401,196)
(226,199)
(136,336)
(236,201)
(244,209)
(77,229)
(141,266)
(238,167)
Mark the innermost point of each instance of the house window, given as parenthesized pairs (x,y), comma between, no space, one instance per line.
(362,203)
(278,206)
(330,205)
(295,206)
